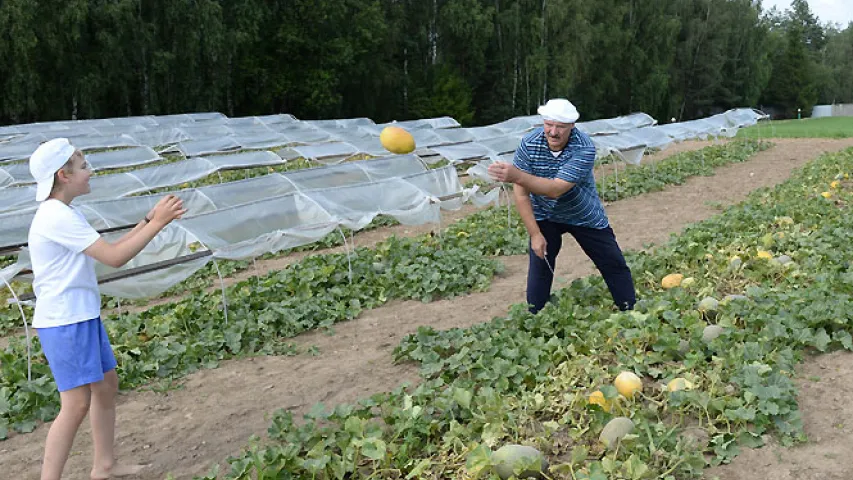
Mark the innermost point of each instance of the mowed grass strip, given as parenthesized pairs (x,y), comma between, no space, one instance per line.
(824,127)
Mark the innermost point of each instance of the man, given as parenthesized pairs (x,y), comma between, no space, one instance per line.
(555,194)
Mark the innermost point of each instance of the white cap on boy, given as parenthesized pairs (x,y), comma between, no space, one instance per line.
(48,158)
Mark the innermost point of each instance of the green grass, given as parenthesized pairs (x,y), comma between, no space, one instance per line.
(825,127)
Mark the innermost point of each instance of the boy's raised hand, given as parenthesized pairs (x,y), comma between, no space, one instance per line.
(167,209)
(164,199)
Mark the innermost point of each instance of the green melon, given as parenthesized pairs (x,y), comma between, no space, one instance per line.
(616,430)
(711,332)
(509,457)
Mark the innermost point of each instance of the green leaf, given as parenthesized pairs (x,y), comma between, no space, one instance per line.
(479,460)
(373,448)
(463,397)
(419,469)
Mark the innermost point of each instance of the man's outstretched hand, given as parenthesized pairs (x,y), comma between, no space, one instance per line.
(504,172)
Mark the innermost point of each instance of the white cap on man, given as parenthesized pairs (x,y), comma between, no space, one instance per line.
(559,110)
(48,158)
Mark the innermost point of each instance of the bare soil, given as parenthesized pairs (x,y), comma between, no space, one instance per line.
(824,389)
(184,431)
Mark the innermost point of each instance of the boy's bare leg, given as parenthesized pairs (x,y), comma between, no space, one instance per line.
(103,417)
(74,407)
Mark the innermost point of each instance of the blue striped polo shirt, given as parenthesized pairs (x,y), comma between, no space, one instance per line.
(579,206)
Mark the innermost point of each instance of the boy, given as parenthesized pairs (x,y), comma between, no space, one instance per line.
(63,249)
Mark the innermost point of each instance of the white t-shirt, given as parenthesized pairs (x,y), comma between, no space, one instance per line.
(65,283)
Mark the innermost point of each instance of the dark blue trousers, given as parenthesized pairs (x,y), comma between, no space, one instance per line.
(599,245)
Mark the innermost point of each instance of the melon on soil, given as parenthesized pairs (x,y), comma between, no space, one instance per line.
(679,383)
(508,457)
(708,304)
(628,384)
(597,398)
(672,280)
(711,332)
(616,430)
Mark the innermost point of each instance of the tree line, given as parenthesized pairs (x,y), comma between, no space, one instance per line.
(479,61)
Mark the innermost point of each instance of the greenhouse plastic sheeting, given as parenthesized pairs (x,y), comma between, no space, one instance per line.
(19,173)
(25,138)
(127,157)
(295,219)
(652,137)
(116,185)
(474,150)
(171,242)
(484,133)
(303,134)
(631,144)
(158,137)
(17,151)
(192,148)
(276,119)
(428,123)
(115,141)
(327,153)
(8,176)
(624,145)
(261,140)
(115,212)
(8,273)
(276,223)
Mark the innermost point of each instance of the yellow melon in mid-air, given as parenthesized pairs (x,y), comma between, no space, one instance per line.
(397,140)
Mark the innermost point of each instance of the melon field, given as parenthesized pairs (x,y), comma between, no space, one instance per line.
(735,363)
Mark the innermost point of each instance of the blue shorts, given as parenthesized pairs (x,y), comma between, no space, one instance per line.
(78,354)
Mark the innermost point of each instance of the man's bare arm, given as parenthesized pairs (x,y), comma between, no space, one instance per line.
(548,187)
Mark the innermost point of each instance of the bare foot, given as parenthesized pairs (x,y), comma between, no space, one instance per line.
(118,470)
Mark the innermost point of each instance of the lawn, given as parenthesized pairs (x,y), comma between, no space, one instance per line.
(824,127)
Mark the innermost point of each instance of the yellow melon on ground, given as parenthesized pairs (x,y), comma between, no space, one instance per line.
(397,140)
(679,383)
(597,398)
(628,384)
(672,280)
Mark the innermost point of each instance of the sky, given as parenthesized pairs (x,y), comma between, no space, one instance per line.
(840,11)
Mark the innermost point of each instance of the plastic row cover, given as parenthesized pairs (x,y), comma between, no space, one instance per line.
(112,186)
(280,222)
(195,134)
(631,145)
(105,213)
(19,173)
